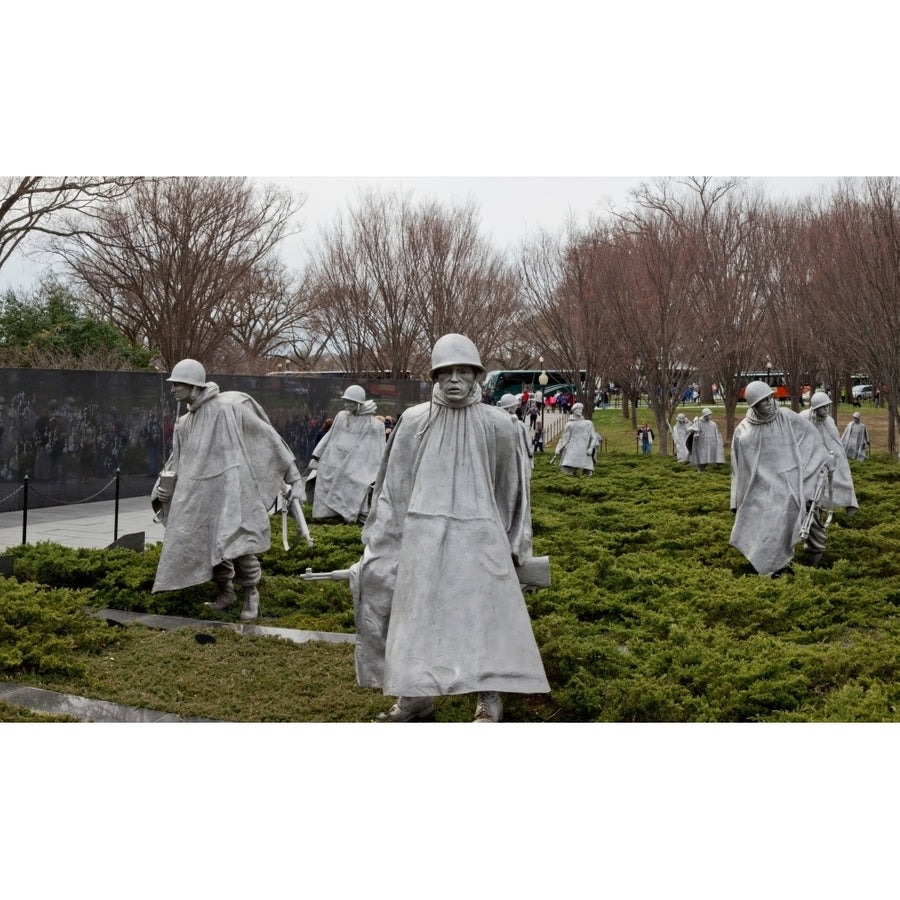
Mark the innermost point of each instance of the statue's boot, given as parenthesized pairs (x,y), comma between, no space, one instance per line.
(489,708)
(408,709)
(226,597)
(251,604)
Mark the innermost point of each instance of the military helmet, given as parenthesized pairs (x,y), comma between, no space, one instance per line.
(819,399)
(756,391)
(454,350)
(355,393)
(188,371)
(507,401)
(706,411)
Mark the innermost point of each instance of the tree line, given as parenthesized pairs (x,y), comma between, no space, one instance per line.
(693,277)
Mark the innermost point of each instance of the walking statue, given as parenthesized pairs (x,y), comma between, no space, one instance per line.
(448,542)
(227,468)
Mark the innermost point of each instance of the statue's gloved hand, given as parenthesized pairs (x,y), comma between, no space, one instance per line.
(314,463)
(163,495)
(831,461)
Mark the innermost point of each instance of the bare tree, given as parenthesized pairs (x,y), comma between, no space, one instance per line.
(657,309)
(567,280)
(364,299)
(860,264)
(723,223)
(788,294)
(460,282)
(37,205)
(179,263)
(395,276)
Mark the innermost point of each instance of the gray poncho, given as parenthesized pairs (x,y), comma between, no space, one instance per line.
(855,440)
(706,445)
(842,490)
(349,456)
(576,444)
(774,466)
(439,609)
(679,435)
(230,464)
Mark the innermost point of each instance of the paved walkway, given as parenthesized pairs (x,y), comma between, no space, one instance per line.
(81,524)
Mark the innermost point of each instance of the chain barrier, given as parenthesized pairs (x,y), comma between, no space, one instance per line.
(18,490)
(58,502)
(137,491)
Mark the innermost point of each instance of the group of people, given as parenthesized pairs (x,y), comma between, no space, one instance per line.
(445,502)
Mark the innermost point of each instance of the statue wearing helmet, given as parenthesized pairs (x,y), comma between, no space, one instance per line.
(704,442)
(679,432)
(840,490)
(855,438)
(354,394)
(756,391)
(454,350)
(577,444)
(778,465)
(346,460)
(227,467)
(513,405)
(188,371)
(438,605)
(820,400)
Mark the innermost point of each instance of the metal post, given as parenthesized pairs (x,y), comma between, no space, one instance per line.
(25,510)
(116,521)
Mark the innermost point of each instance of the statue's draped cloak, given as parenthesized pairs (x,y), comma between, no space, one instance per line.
(230,464)
(774,466)
(438,603)
(842,490)
(706,446)
(855,440)
(349,455)
(577,441)
(679,436)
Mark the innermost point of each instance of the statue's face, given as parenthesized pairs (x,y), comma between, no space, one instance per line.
(181,392)
(351,406)
(456,381)
(767,405)
(822,411)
